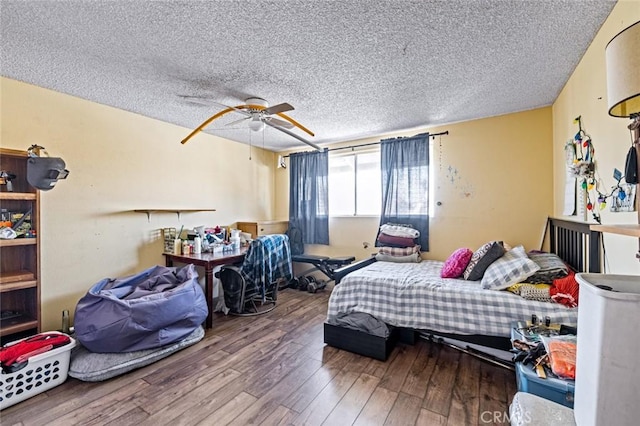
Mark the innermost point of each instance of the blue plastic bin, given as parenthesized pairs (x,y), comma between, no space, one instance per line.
(551,388)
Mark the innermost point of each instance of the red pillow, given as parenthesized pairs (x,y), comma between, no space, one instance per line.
(455,265)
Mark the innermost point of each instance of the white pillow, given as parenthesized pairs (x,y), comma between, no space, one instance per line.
(510,269)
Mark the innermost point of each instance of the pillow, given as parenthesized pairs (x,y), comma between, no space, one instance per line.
(481,259)
(551,268)
(412,258)
(390,240)
(455,265)
(511,268)
(399,251)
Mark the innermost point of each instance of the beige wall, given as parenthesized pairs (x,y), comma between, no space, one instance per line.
(585,95)
(118,162)
(502,188)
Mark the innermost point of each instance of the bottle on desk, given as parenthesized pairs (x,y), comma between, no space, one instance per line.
(197,245)
(235,239)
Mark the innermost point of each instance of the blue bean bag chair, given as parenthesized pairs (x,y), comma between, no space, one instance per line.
(151,309)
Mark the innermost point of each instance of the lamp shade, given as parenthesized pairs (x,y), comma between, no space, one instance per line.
(623,72)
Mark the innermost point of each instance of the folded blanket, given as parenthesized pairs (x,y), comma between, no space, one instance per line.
(412,258)
(399,251)
(399,231)
(390,240)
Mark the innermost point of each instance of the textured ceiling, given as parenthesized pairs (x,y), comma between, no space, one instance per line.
(351,69)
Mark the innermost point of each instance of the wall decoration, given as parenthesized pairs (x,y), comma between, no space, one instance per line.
(582,174)
(582,167)
(623,198)
(454,178)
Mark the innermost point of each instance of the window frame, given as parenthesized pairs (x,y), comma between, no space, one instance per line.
(376,149)
(355,154)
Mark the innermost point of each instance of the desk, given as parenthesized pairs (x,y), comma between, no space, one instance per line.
(208,261)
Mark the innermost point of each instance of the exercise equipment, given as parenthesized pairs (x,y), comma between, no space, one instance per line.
(325,264)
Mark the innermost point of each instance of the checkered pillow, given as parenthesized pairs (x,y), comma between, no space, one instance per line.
(511,268)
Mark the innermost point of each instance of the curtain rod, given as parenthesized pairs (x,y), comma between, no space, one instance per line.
(433,135)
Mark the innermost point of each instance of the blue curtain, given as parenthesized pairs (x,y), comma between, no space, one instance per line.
(309,195)
(405,183)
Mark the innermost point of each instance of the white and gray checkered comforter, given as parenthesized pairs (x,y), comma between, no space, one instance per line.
(413,295)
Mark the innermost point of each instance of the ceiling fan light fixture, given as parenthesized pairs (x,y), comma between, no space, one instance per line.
(256,124)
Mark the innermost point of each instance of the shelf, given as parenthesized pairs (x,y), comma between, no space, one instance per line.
(629,230)
(20,266)
(19,196)
(18,242)
(17,324)
(13,276)
(18,285)
(176,211)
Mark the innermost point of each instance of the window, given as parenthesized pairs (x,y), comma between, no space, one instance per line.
(354,184)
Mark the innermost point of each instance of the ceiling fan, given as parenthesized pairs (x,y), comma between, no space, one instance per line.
(258,114)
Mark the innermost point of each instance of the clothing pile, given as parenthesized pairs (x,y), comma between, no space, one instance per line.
(556,354)
(398,244)
(16,356)
(553,282)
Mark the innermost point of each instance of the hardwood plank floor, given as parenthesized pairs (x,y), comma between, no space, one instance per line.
(274,369)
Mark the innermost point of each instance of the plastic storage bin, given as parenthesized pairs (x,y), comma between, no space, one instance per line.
(43,372)
(556,390)
(607,370)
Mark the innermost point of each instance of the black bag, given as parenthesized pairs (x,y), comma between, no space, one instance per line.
(296,241)
(631,167)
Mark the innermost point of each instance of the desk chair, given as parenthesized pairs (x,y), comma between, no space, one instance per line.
(252,287)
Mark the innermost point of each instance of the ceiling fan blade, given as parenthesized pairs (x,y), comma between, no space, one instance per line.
(293,135)
(196,100)
(234,108)
(280,123)
(295,123)
(278,108)
(205,124)
(202,100)
(238,121)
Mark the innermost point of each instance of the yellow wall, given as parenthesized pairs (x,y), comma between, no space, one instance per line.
(502,189)
(119,161)
(585,95)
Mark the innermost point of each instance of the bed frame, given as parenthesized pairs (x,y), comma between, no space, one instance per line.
(576,244)
(573,241)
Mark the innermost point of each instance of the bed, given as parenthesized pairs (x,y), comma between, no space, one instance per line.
(412,296)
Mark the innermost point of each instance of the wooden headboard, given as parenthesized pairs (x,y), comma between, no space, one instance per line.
(576,244)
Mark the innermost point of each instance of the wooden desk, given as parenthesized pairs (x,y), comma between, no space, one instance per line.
(208,261)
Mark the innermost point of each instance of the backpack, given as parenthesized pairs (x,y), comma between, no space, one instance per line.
(631,167)
(296,240)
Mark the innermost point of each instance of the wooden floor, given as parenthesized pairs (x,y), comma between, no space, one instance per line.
(275,370)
